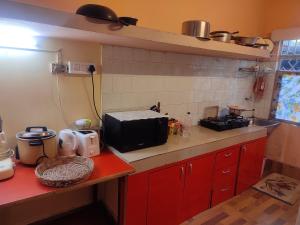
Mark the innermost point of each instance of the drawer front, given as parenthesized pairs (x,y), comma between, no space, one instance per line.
(225,177)
(227,157)
(222,194)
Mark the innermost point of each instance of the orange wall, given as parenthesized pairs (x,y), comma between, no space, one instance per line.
(168,15)
(250,17)
(281,14)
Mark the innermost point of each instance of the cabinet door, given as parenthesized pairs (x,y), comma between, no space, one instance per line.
(165,194)
(251,161)
(198,186)
(136,199)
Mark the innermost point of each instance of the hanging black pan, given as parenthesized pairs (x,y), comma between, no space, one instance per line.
(104,13)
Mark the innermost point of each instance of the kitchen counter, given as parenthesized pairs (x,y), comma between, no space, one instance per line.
(24,185)
(201,141)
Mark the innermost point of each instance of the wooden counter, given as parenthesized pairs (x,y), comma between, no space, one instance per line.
(24,185)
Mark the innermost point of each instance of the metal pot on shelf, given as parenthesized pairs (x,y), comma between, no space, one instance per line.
(36,143)
(222,36)
(196,28)
(246,41)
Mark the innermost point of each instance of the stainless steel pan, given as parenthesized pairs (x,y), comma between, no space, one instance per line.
(248,41)
(196,28)
(223,36)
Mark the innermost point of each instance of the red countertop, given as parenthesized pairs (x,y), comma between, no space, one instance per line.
(24,185)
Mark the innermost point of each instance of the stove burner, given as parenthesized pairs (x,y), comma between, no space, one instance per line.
(224,123)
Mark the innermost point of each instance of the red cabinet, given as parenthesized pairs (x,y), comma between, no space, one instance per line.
(250,166)
(165,195)
(224,184)
(198,186)
(171,194)
(222,194)
(136,199)
(225,177)
(225,174)
(227,157)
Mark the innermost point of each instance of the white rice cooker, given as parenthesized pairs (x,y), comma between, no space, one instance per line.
(35,144)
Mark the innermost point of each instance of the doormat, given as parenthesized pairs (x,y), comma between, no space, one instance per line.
(280,187)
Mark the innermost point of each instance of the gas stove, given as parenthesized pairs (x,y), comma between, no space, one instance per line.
(224,123)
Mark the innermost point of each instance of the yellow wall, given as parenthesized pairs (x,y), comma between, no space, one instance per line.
(29,96)
(29,93)
(168,15)
(249,17)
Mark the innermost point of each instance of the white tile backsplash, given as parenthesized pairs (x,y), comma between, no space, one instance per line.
(107,84)
(122,84)
(137,78)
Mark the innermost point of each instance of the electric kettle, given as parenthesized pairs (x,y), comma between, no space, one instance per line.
(67,143)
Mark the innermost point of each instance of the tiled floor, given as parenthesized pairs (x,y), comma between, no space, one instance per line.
(249,208)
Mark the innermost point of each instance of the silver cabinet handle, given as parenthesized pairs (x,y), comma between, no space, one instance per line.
(182,172)
(191,167)
(228,154)
(226,171)
(225,189)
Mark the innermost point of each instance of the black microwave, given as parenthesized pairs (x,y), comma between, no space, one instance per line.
(132,130)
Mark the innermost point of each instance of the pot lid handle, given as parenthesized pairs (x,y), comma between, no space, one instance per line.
(28,129)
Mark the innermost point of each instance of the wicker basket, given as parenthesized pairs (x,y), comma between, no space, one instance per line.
(64,171)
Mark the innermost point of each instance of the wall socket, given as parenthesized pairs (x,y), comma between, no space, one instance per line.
(79,68)
(76,68)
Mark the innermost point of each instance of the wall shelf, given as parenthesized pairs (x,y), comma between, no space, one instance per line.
(58,24)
